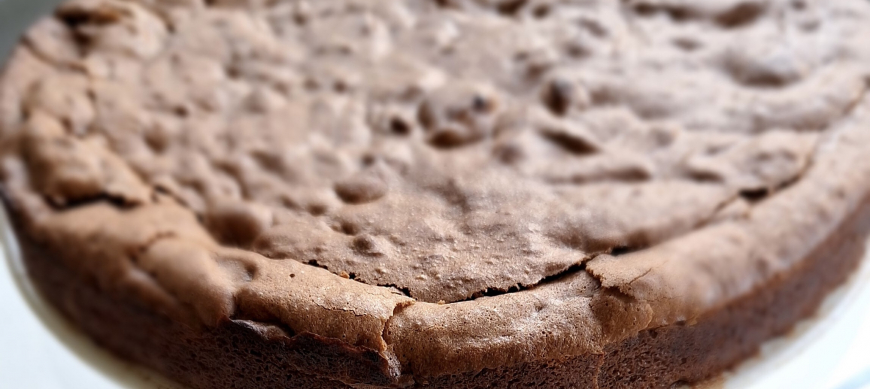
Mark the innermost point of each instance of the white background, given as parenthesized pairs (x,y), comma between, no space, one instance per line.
(38,350)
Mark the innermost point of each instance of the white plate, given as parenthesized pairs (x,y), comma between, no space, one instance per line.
(39,350)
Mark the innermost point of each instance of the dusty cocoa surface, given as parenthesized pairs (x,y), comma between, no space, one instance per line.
(517,180)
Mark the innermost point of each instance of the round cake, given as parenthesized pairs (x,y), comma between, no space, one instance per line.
(439,193)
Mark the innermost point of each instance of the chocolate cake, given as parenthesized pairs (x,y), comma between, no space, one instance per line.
(439,193)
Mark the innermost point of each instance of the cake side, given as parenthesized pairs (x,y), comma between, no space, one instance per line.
(250,354)
(722,338)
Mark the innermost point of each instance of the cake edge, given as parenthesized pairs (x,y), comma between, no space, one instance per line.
(246,354)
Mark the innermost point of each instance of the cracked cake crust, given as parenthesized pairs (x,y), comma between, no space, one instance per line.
(438,192)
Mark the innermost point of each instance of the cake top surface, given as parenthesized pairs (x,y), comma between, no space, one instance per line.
(444,151)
